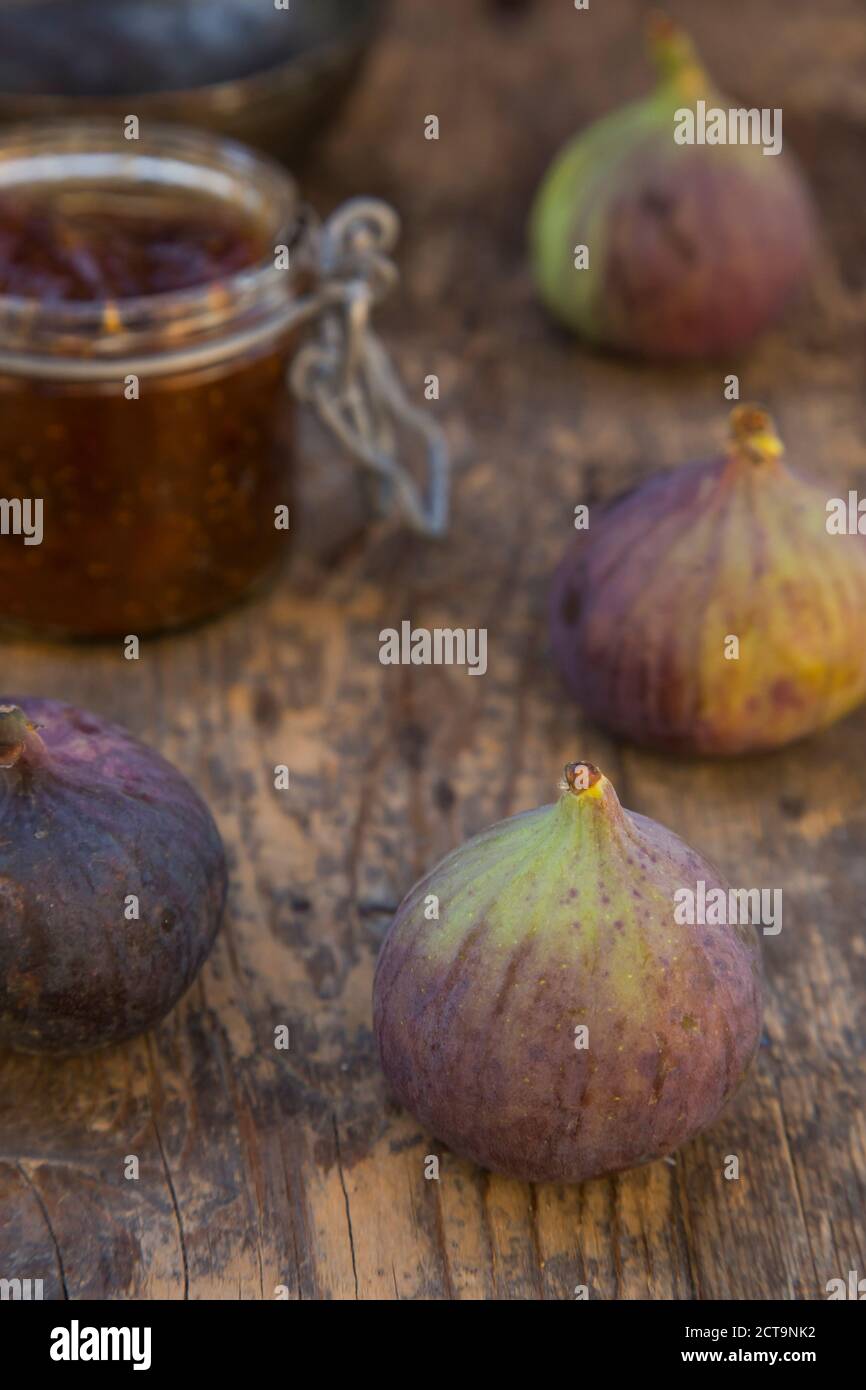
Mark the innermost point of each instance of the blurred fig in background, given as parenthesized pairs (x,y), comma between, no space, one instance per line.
(692,249)
(710,610)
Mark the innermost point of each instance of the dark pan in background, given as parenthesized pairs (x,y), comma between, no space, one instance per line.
(271,77)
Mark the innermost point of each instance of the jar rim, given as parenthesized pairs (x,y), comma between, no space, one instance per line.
(198,160)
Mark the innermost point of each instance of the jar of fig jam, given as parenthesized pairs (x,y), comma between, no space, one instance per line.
(153,294)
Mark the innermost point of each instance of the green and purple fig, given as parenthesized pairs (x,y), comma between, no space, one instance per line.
(540,1010)
(710,610)
(692,248)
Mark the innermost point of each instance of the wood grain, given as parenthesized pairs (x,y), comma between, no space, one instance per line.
(262,1168)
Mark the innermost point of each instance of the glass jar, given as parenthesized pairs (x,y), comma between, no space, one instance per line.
(150,422)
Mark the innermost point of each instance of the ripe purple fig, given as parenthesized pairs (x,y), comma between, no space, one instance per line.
(537,1006)
(710,610)
(112,880)
(693,248)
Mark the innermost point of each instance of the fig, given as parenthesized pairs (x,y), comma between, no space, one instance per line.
(537,1007)
(709,610)
(112,880)
(692,248)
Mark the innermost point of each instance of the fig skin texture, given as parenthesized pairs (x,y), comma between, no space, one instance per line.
(88,816)
(557,918)
(646,598)
(693,249)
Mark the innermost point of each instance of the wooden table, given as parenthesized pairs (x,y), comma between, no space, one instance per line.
(262,1168)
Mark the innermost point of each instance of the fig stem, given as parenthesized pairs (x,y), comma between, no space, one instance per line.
(674,54)
(16,732)
(753,434)
(579,777)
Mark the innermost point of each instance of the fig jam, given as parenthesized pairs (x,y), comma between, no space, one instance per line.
(68,245)
(142,399)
